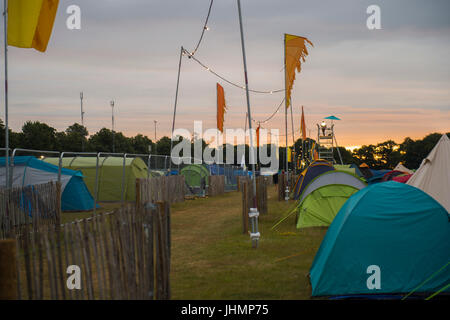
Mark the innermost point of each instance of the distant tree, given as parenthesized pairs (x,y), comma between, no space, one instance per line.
(366,154)
(101,141)
(414,151)
(388,154)
(37,135)
(347,157)
(73,138)
(141,143)
(163,146)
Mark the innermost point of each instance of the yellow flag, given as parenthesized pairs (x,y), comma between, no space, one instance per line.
(289,150)
(30,23)
(295,52)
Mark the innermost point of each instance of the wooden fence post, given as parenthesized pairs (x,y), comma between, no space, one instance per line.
(8,270)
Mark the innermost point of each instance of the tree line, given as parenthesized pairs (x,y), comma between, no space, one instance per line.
(40,136)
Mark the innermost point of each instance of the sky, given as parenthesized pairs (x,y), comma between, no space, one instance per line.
(383,84)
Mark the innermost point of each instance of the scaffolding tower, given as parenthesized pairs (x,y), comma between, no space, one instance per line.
(326,142)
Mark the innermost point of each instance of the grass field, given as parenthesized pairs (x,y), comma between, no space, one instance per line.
(212,259)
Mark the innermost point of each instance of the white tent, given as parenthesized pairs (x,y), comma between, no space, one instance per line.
(402,168)
(433,175)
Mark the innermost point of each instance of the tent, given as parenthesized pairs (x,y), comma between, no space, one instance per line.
(110,175)
(387,238)
(315,169)
(391,175)
(332,177)
(321,200)
(357,171)
(319,208)
(195,175)
(346,168)
(377,176)
(433,175)
(402,168)
(365,171)
(402,178)
(28,171)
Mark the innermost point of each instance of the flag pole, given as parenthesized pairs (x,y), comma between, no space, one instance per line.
(5,29)
(175,108)
(286,194)
(253,214)
(293,139)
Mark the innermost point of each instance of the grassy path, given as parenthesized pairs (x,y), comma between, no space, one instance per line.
(212,259)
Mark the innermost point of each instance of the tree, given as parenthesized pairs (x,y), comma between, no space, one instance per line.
(73,139)
(39,136)
(163,146)
(141,144)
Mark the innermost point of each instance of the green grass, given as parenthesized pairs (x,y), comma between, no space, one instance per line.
(212,259)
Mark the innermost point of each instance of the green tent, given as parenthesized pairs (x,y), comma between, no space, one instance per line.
(345,168)
(194,173)
(109,175)
(319,207)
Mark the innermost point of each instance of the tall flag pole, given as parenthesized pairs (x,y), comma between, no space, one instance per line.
(174,107)
(253,214)
(286,103)
(5,29)
(303,126)
(27,24)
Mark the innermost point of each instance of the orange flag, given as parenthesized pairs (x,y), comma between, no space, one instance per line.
(303,125)
(257,135)
(221,107)
(294,51)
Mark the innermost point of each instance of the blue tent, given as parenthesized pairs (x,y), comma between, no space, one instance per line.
(387,238)
(28,171)
(377,176)
(315,169)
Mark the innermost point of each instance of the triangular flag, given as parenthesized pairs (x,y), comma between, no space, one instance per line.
(295,52)
(221,107)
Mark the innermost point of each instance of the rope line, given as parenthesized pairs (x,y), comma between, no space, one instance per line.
(205,27)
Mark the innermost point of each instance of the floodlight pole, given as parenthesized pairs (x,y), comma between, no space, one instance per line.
(112,125)
(253,214)
(82,119)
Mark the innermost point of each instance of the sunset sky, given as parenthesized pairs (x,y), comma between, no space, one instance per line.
(383,84)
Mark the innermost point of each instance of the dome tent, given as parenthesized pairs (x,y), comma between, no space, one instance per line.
(109,175)
(319,207)
(391,227)
(194,175)
(321,200)
(332,177)
(315,169)
(28,171)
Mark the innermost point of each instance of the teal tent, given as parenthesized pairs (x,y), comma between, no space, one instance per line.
(29,171)
(387,238)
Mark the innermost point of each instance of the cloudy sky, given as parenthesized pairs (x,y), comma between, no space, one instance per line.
(383,84)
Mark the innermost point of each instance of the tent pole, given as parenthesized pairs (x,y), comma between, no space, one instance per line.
(253,214)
